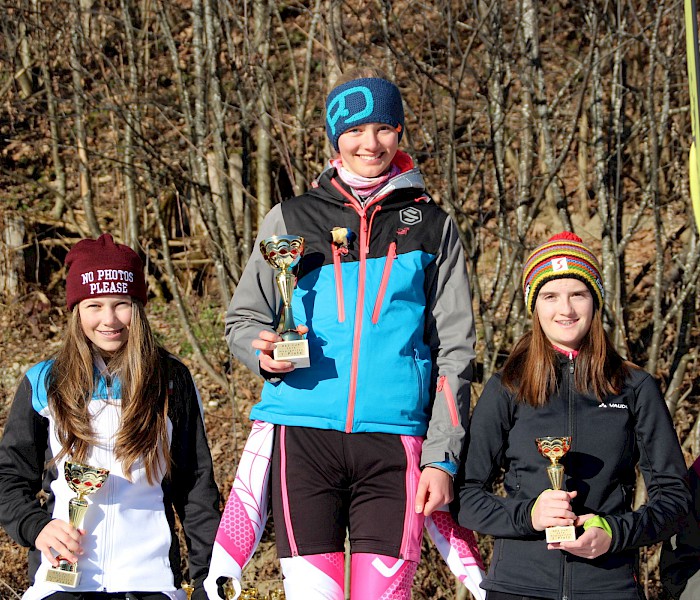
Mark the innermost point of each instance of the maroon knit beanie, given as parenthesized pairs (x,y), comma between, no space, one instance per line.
(103,268)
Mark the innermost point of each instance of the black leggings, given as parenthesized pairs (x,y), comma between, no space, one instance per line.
(107,596)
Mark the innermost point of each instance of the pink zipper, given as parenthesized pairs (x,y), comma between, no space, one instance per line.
(357,336)
(359,308)
(444,385)
(390,256)
(338,284)
(360,305)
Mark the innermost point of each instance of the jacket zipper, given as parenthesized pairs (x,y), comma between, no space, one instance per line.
(359,307)
(390,256)
(444,385)
(570,377)
(106,556)
(361,210)
(357,336)
(338,284)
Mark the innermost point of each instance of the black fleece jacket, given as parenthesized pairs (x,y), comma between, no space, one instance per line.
(608,440)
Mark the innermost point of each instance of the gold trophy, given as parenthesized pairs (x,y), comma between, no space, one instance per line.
(83,480)
(555,448)
(282,253)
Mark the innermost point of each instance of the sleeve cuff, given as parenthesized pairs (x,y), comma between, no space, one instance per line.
(598,521)
(447,466)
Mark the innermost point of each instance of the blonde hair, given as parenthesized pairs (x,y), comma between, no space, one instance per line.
(138,364)
(360,73)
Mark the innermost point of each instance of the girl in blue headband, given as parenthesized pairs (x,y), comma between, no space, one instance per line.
(368,437)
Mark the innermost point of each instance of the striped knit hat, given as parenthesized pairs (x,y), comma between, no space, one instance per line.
(562,256)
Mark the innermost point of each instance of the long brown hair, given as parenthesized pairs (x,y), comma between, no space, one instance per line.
(530,372)
(142,432)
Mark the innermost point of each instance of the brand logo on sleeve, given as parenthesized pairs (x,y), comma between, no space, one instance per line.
(410,215)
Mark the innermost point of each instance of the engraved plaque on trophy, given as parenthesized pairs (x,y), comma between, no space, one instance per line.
(554,448)
(83,480)
(282,253)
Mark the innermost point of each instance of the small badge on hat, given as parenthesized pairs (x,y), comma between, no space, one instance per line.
(560,264)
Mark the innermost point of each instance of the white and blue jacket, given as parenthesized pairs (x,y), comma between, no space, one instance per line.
(130,544)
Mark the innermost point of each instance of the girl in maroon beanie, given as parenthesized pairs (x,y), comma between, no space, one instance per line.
(114,400)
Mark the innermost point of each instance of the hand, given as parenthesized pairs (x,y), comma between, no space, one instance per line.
(434,490)
(553,508)
(265,343)
(63,538)
(594,541)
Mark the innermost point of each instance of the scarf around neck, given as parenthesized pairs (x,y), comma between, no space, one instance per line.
(364,186)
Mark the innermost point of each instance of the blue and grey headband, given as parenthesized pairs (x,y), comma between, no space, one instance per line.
(367,100)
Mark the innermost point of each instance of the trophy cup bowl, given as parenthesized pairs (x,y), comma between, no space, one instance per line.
(554,448)
(83,480)
(282,253)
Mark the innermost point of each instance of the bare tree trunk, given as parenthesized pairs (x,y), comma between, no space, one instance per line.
(80,131)
(263,189)
(605,202)
(496,100)
(536,82)
(12,265)
(132,119)
(24,75)
(40,31)
(220,171)
(203,191)
(302,108)
(656,132)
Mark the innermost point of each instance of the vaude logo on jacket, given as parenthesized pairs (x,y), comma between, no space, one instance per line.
(410,215)
(613,405)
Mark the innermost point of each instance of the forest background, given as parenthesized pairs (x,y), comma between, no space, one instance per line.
(176,124)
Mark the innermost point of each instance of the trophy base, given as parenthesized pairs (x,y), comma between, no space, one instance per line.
(63,576)
(561,534)
(296,352)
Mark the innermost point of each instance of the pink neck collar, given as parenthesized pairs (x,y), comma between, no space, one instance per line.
(569,353)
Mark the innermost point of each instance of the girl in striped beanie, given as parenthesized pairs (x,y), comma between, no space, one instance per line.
(565,379)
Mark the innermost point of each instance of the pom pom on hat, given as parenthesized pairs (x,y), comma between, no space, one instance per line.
(564,255)
(102,267)
(360,101)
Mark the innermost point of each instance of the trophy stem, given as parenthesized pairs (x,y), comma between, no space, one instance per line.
(289,332)
(285,283)
(556,475)
(77,507)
